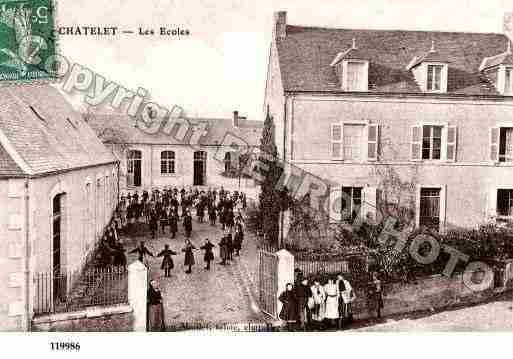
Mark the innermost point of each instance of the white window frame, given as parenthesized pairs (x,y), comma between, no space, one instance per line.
(336,194)
(443,203)
(444,142)
(507,188)
(501,80)
(365,79)
(365,156)
(492,197)
(443,77)
(167,163)
(431,142)
(498,128)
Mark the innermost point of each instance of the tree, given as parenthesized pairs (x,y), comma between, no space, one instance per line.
(270,194)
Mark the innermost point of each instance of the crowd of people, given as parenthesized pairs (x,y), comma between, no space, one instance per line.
(170,207)
(167,209)
(316,306)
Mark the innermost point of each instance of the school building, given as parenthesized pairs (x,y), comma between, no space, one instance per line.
(190,152)
(436,108)
(58,189)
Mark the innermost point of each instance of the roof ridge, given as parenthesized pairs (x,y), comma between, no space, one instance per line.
(394,30)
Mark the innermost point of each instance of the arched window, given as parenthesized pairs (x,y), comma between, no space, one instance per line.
(167,162)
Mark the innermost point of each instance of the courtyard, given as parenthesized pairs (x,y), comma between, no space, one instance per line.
(223,295)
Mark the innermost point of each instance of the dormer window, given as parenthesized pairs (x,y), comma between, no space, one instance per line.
(356,78)
(434,77)
(499,70)
(430,71)
(352,68)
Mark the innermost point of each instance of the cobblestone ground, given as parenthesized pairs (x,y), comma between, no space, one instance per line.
(492,316)
(223,295)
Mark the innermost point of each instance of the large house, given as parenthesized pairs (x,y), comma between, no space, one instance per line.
(434,108)
(58,189)
(187,152)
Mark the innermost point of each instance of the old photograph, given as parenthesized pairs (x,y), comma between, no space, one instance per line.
(237,166)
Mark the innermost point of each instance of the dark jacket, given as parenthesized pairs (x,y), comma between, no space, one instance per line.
(237,240)
(173,222)
(189,255)
(288,311)
(142,252)
(167,261)
(154,296)
(187,223)
(209,254)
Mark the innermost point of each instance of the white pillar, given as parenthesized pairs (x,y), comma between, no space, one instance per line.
(285,272)
(137,291)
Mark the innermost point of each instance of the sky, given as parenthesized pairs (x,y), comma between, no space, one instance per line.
(221,66)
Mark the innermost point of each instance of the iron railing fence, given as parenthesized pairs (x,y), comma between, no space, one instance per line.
(77,290)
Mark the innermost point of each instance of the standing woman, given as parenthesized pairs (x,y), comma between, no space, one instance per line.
(187,224)
(345,301)
(167,261)
(154,223)
(223,250)
(212,214)
(319,303)
(229,245)
(332,295)
(237,241)
(288,311)
(189,256)
(155,308)
(173,222)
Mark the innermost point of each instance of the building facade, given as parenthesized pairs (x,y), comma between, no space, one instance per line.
(191,152)
(58,189)
(434,110)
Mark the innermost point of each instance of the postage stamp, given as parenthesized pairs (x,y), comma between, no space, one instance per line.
(27,39)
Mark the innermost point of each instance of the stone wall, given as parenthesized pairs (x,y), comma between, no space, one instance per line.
(109,319)
(428,293)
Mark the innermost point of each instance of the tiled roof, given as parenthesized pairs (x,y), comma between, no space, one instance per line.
(119,128)
(8,167)
(350,54)
(305,55)
(431,56)
(505,58)
(46,132)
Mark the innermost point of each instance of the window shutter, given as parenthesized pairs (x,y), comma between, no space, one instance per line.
(335,204)
(372,142)
(416,143)
(494,144)
(369,203)
(336,141)
(451,143)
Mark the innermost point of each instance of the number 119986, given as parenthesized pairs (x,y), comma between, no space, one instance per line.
(65,346)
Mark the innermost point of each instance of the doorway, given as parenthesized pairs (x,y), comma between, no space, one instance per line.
(134,168)
(200,168)
(59,285)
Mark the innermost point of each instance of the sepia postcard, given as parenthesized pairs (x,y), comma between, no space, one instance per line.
(228,166)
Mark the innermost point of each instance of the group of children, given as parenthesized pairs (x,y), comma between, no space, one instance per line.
(161,209)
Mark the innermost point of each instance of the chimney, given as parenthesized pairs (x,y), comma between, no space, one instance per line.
(508,25)
(235,118)
(280,25)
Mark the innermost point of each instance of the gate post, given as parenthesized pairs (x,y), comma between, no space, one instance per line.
(137,291)
(284,274)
